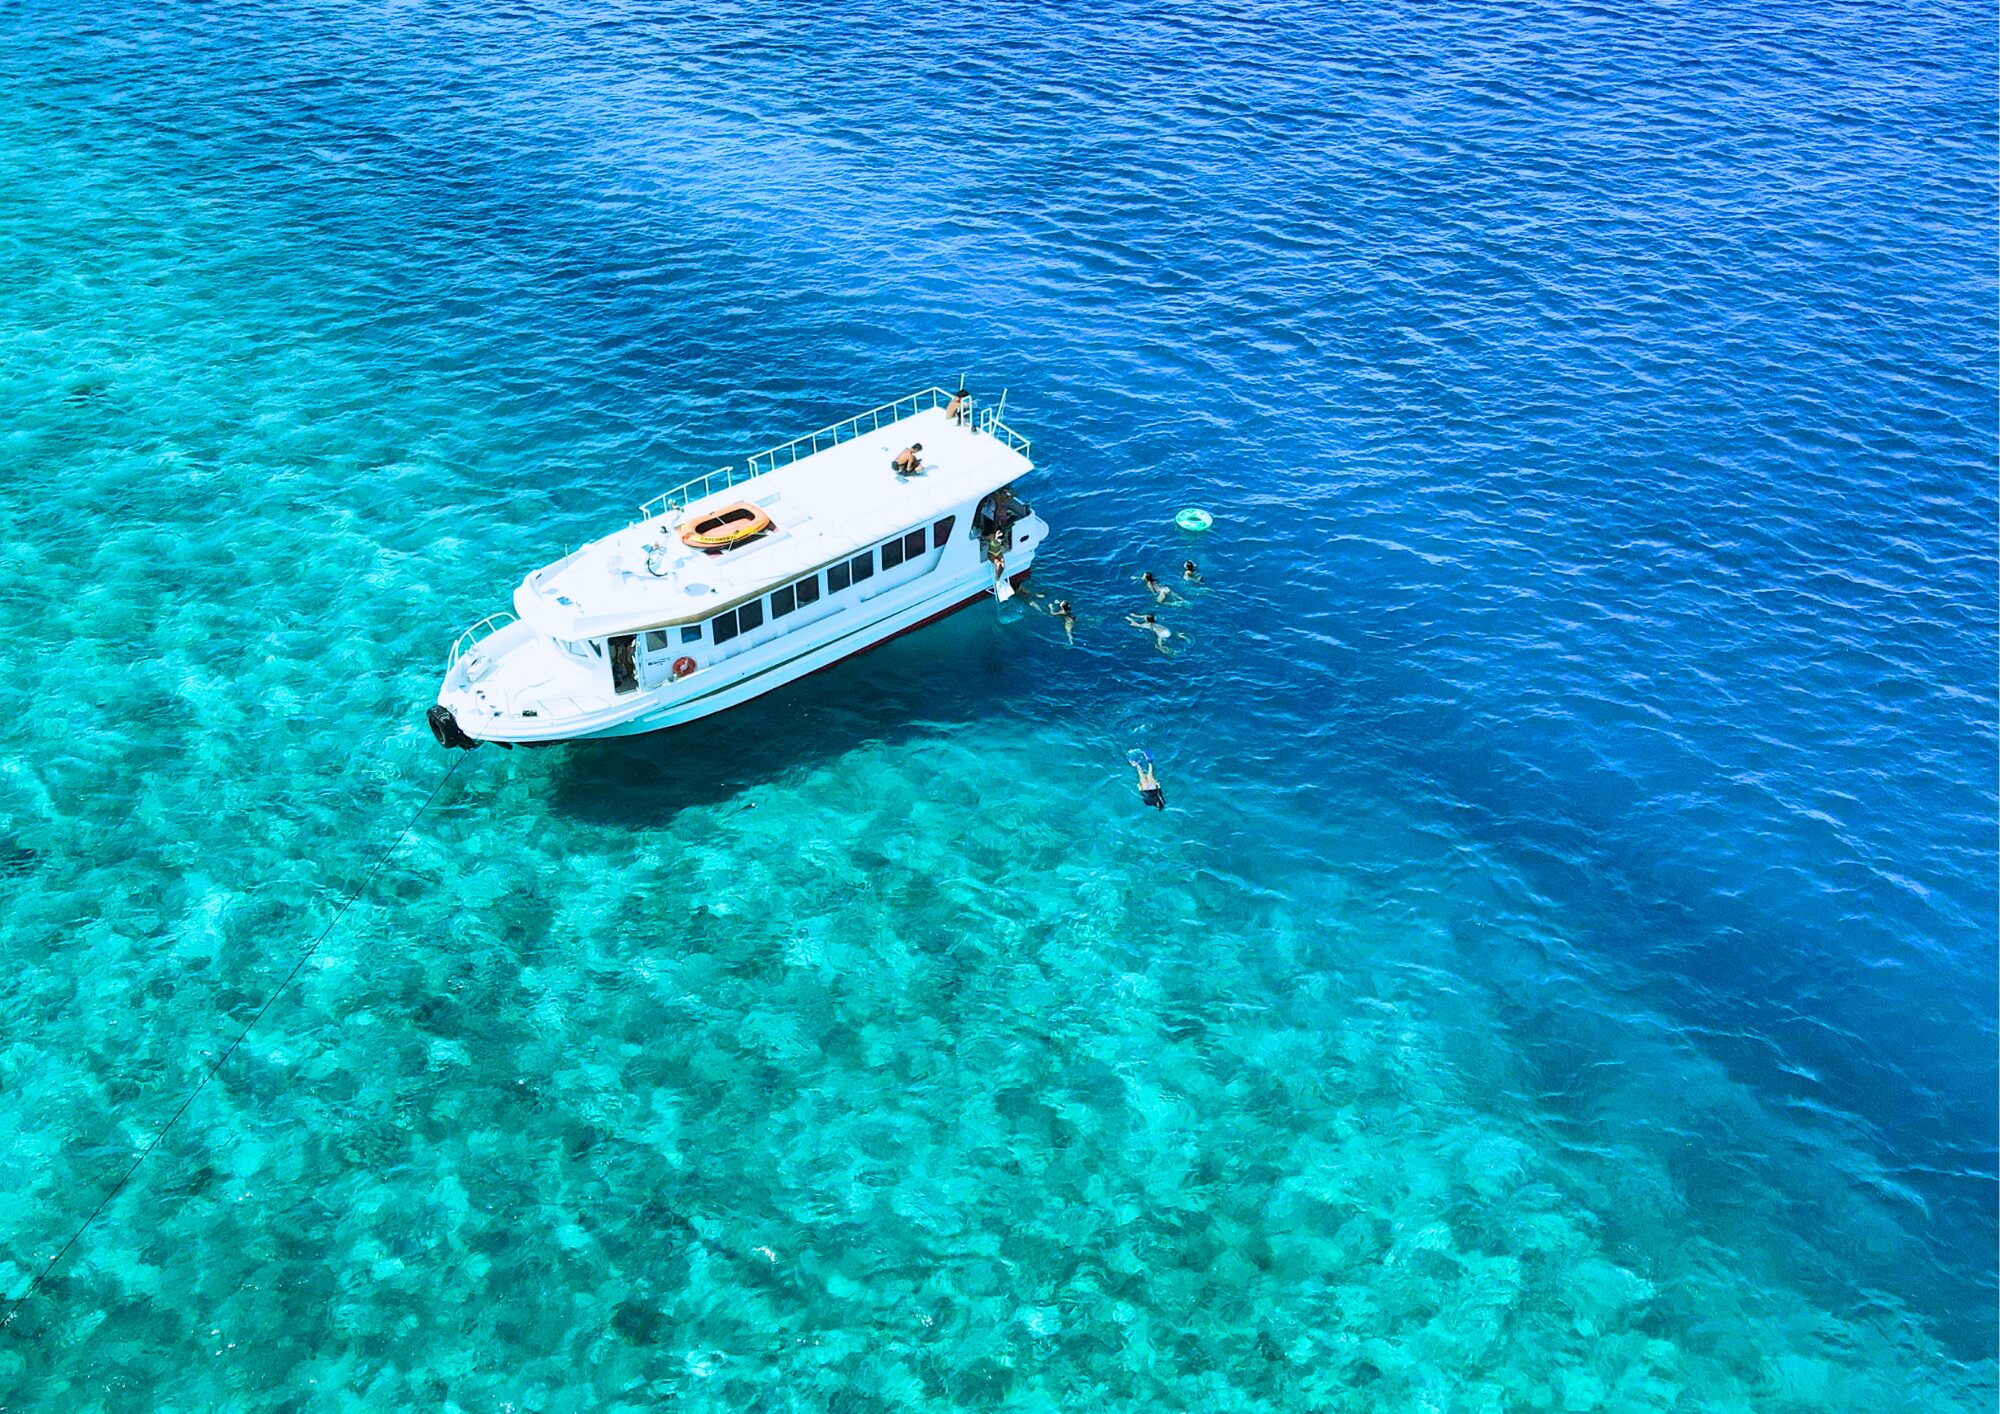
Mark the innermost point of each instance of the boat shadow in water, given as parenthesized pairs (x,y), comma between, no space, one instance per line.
(940,677)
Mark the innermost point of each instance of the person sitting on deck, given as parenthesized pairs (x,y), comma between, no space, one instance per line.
(907,461)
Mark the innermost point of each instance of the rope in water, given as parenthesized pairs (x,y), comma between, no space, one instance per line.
(298,966)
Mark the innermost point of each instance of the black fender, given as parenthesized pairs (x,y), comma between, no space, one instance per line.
(446,729)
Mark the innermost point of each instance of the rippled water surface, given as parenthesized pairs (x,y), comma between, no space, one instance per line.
(1563,979)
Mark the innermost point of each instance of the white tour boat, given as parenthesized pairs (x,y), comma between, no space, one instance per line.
(741,581)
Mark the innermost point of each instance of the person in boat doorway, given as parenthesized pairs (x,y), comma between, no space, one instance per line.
(907,461)
(1149,785)
(960,406)
(996,517)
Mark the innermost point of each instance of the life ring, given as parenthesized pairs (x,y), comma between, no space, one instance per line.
(726,528)
(683,666)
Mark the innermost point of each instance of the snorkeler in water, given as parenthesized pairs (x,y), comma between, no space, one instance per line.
(1190,573)
(1161,594)
(1060,608)
(1161,633)
(1149,785)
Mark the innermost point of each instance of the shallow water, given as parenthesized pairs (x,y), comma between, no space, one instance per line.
(1564,977)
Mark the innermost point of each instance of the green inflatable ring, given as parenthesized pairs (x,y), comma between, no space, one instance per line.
(1194,518)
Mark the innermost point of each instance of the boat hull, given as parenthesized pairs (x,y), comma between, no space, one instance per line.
(663,714)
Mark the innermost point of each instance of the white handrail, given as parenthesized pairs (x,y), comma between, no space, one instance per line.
(832,435)
(485,628)
(674,499)
(836,433)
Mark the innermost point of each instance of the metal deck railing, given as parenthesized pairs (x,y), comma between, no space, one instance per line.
(692,490)
(486,627)
(985,420)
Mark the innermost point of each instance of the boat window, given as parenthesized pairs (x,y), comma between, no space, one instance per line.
(837,578)
(783,601)
(862,565)
(690,633)
(749,616)
(724,626)
(913,544)
(941,532)
(808,589)
(656,640)
(892,554)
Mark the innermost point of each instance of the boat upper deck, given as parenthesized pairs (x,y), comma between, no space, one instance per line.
(827,495)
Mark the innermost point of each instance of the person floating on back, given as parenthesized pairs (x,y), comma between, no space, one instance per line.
(1161,594)
(1149,784)
(907,461)
(960,406)
(1190,573)
(1161,633)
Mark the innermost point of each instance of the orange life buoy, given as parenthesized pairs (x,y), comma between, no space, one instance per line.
(730,526)
(683,666)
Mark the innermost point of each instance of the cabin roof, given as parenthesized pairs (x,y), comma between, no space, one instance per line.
(824,506)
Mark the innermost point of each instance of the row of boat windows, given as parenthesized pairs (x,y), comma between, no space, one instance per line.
(798,594)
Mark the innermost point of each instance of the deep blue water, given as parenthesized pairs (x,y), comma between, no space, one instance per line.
(1583,757)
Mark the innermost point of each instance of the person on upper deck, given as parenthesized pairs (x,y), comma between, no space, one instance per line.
(907,461)
(960,406)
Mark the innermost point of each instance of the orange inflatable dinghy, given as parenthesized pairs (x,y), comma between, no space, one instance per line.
(727,528)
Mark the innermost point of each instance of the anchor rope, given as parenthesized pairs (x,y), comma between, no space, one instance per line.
(298,966)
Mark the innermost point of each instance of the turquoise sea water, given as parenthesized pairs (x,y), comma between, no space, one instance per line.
(1563,979)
